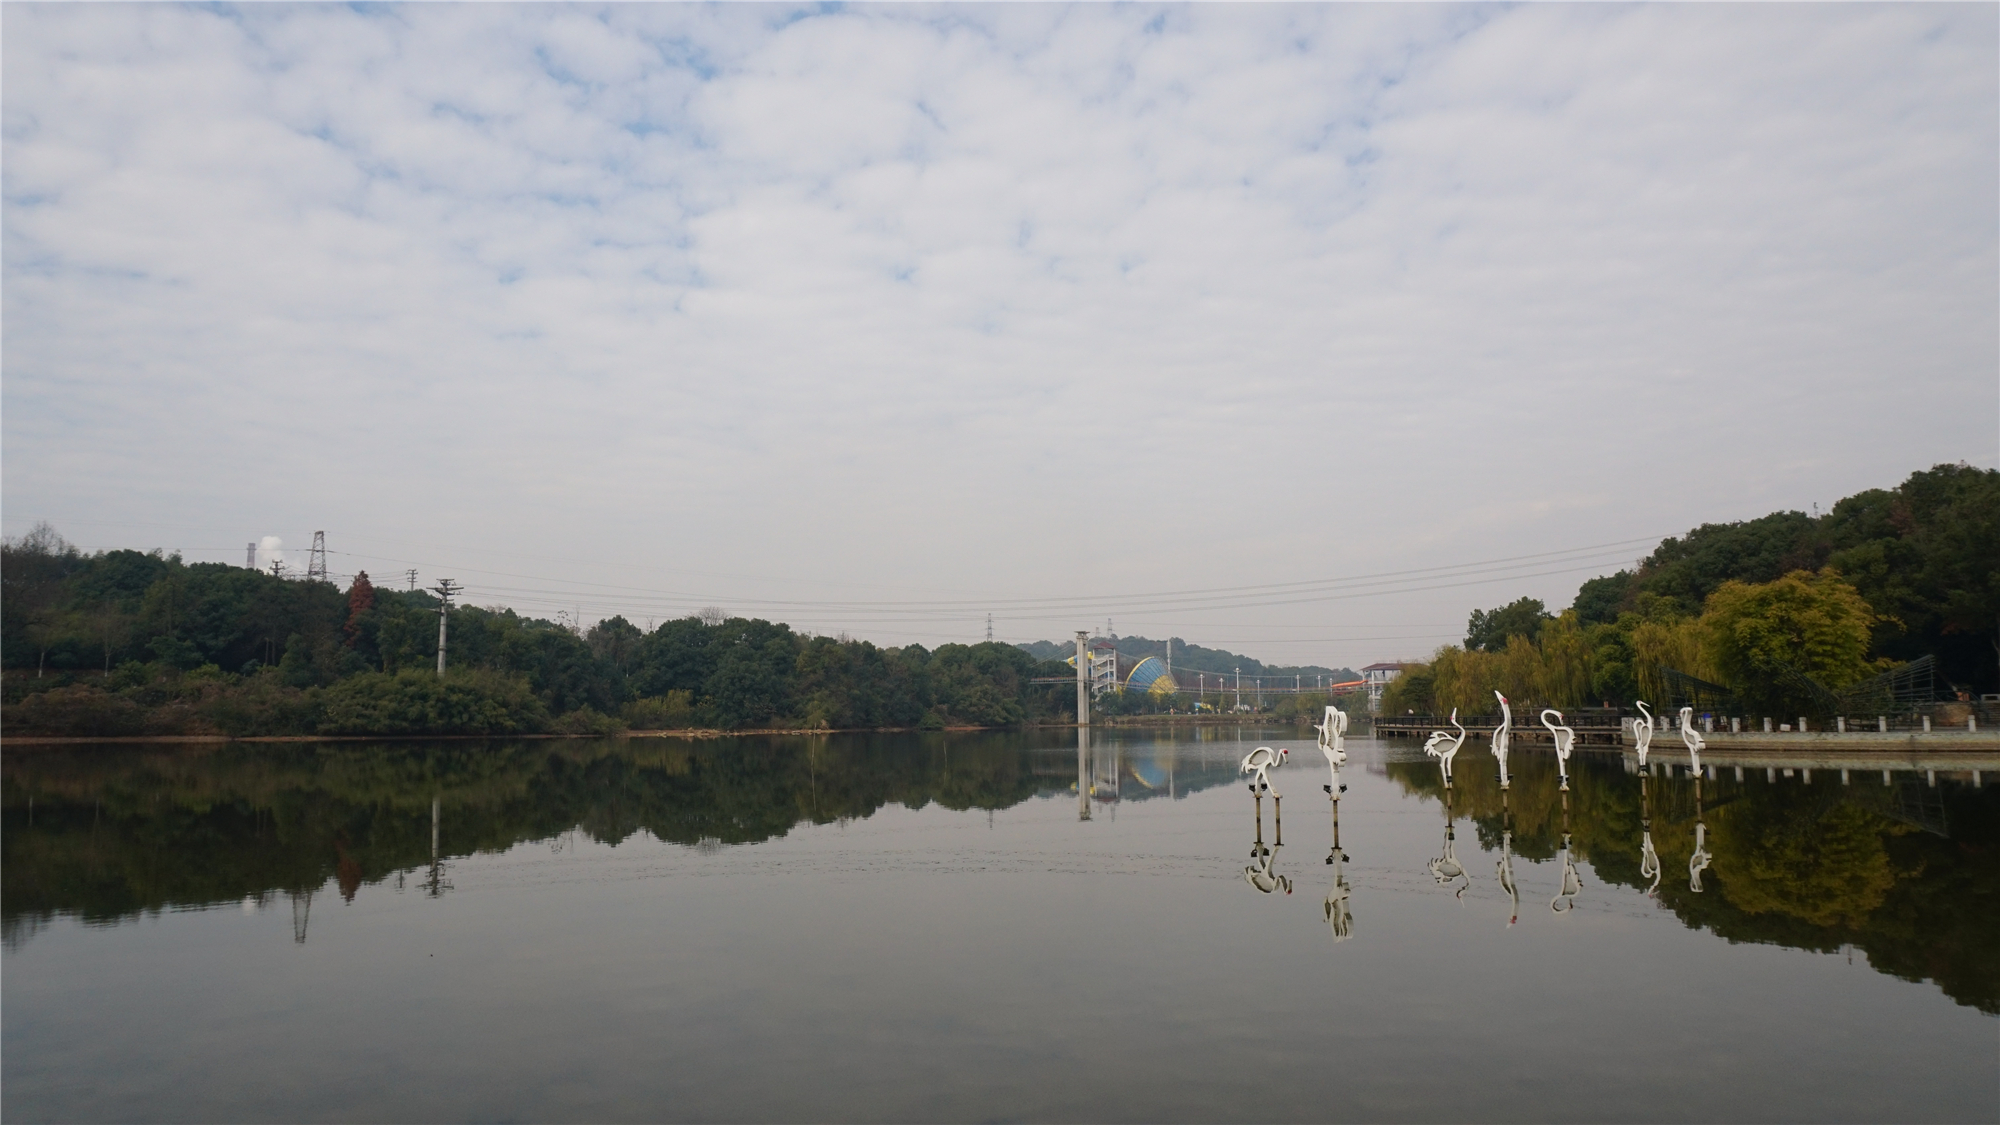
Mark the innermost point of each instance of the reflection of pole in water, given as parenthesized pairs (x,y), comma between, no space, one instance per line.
(435,885)
(1572,883)
(1083,773)
(302,905)
(1698,862)
(1649,860)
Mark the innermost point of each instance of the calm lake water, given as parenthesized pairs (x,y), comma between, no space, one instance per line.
(940,927)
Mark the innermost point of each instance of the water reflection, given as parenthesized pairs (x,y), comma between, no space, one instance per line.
(1445,869)
(1699,860)
(1572,883)
(1649,859)
(1339,916)
(1503,868)
(1262,872)
(1906,873)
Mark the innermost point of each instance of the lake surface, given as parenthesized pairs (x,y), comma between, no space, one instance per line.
(941,927)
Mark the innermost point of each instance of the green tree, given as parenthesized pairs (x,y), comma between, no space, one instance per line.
(1815,623)
(1489,630)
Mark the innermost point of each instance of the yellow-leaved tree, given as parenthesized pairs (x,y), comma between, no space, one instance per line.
(1814,623)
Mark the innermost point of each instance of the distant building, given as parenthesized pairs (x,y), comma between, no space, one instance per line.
(1378,677)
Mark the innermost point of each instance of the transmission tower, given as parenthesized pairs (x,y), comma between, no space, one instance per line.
(316,562)
(446,589)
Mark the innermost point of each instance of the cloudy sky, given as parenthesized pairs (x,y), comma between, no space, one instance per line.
(1301,330)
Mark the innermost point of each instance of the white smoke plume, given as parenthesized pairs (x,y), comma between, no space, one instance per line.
(270,549)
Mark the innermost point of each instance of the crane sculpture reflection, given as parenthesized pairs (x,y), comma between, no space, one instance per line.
(1699,861)
(1444,747)
(1572,882)
(1339,917)
(1446,869)
(1505,867)
(1649,859)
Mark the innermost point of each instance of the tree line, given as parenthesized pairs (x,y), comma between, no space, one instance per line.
(1782,613)
(127,642)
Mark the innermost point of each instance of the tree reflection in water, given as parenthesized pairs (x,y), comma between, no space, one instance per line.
(1907,874)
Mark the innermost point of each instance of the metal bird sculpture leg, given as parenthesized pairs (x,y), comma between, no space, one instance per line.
(1500,736)
(1565,740)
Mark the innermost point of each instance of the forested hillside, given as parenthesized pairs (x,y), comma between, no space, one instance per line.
(127,642)
(1785,613)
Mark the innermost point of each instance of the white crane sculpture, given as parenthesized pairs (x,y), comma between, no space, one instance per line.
(1565,740)
(1258,763)
(1642,732)
(1692,737)
(1649,860)
(1444,747)
(1333,743)
(1339,918)
(1333,735)
(1500,735)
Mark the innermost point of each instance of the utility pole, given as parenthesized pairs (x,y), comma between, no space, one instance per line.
(412,574)
(316,562)
(1082,679)
(1239,686)
(989,628)
(446,589)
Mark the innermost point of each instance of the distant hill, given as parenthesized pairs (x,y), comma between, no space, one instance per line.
(1194,658)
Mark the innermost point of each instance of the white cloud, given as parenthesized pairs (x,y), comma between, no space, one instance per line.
(997,302)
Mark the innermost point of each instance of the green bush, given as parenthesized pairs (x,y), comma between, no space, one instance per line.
(587,720)
(413,702)
(259,704)
(78,711)
(672,711)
